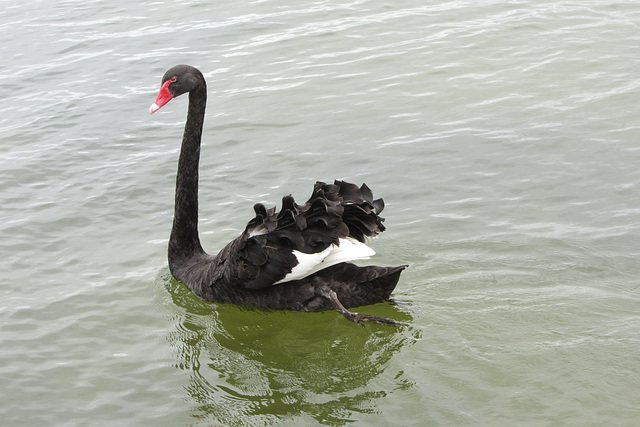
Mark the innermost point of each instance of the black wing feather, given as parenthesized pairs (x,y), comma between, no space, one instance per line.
(263,254)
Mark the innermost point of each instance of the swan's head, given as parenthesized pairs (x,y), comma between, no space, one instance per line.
(176,81)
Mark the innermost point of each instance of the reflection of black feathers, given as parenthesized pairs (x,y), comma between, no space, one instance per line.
(263,254)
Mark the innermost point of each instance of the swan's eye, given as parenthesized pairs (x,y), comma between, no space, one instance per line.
(174,79)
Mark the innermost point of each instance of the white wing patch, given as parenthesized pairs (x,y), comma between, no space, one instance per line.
(349,249)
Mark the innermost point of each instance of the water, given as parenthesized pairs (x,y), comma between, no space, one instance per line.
(503,136)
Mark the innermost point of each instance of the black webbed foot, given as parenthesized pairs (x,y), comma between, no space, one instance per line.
(326,292)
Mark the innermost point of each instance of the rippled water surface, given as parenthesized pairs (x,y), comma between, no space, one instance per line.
(504,137)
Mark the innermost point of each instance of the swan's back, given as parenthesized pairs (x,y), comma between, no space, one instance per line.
(333,224)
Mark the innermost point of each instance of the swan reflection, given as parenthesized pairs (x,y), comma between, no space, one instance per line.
(275,365)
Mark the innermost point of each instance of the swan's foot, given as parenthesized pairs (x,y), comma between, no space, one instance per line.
(326,292)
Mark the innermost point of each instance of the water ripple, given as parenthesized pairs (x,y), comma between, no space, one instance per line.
(502,136)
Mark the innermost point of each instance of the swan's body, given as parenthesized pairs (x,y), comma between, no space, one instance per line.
(295,259)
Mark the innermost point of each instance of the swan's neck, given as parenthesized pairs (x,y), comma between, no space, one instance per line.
(184,242)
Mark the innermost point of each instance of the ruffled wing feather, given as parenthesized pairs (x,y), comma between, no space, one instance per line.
(266,252)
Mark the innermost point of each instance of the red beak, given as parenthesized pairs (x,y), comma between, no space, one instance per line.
(164,96)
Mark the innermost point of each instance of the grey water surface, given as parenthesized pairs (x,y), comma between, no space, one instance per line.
(504,137)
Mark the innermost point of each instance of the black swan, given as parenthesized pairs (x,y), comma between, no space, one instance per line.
(295,259)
